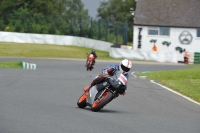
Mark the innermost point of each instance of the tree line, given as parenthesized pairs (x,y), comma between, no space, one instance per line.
(67,17)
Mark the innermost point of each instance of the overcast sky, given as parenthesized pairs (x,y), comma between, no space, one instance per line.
(92,6)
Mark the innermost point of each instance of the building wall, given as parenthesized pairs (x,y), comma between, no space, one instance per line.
(173,38)
(175,33)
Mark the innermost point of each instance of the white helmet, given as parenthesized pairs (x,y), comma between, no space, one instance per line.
(125,65)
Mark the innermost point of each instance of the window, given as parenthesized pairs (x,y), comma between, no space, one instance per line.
(198,32)
(153,31)
(162,31)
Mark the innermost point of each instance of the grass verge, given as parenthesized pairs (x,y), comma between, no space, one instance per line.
(184,81)
(45,51)
(48,51)
(10,65)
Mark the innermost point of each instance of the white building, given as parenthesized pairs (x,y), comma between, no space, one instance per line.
(174,24)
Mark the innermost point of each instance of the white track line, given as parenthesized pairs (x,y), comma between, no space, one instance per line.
(152,81)
(133,73)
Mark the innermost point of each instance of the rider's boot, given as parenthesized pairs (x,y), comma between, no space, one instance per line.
(93,64)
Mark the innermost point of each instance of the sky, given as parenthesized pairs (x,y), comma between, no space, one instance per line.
(92,6)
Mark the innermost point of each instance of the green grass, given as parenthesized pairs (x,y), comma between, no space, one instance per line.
(47,51)
(10,65)
(184,81)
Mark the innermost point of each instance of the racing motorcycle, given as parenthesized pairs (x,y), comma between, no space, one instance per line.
(90,62)
(104,92)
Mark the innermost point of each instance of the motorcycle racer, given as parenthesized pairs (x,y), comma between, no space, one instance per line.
(124,66)
(95,56)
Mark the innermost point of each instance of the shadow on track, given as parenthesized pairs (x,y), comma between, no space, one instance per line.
(102,110)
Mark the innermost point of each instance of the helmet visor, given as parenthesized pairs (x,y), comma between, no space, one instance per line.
(125,69)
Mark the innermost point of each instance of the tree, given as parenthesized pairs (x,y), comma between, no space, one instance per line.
(46,16)
(118,10)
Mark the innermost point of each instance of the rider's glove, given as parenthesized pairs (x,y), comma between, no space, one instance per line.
(87,88)
(106,74)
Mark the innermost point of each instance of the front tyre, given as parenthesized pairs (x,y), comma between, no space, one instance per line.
(82,100)
(100,103)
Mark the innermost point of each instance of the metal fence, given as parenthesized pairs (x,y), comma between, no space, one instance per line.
(110,31)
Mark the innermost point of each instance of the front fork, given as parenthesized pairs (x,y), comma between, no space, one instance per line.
(90,63)
(115,94)
(99,97)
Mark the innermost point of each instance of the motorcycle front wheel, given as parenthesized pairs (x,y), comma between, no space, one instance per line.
(100,103)
(82,100)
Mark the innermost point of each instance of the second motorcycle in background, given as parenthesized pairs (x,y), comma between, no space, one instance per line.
(91,60)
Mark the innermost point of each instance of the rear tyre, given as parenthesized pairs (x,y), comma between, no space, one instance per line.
(89,65)
(100,103)
(82,100)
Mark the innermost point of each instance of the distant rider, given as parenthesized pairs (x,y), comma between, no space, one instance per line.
(186,56)
(124,66)
(95,56)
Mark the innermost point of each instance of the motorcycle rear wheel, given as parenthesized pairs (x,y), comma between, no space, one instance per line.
(82,100)
(100,103)
(89,65)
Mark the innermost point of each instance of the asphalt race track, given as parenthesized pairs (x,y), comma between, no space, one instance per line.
(44,101)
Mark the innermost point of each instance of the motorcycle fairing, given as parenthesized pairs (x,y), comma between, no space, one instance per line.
(123,79)
(91,57)
(92,93)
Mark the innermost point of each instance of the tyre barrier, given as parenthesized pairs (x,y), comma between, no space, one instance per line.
(26,65)
(194,57)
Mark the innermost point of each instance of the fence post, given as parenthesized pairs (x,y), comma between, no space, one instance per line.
(125,34)
(99,32)
(91,24)
(80,34)
(106,30)
(51,31)
(117,33)
(24,23)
